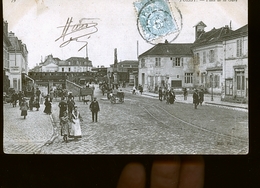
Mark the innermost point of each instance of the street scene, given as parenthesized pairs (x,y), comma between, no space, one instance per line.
(142,124)
(128,77)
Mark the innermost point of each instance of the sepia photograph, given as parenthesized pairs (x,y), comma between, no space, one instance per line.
(149,77)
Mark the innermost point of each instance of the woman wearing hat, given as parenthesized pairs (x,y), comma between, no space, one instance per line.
(47,104)
(75,126)
(24,108)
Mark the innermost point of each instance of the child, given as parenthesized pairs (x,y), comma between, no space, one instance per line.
(65,126)
(24,107)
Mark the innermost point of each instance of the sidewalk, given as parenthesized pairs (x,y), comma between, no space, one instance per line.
(25,135)
(207,99)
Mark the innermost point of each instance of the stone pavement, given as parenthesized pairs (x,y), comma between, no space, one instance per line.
(207,100)
(137,127)
(25,136)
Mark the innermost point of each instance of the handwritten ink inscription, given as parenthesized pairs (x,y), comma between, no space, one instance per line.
(79,32)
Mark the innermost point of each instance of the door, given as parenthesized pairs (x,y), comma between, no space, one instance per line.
(176,83)
(240,77)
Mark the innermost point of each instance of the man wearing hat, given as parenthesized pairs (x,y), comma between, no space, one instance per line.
(94,107)
(195,98)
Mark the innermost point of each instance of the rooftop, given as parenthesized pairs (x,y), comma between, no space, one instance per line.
(168,49)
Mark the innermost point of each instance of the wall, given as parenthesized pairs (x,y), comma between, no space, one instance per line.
(154,75)
(74,88)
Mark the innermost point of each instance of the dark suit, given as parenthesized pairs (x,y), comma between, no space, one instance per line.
(94,107)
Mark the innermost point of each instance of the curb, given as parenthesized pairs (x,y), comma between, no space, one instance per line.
(208,103)
(227,105)
(54,134)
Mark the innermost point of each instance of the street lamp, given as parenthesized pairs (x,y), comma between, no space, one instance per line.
(211,86)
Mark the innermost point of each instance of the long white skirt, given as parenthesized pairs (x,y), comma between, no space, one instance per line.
(75,129)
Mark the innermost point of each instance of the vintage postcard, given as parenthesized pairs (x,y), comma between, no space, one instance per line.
(125,77)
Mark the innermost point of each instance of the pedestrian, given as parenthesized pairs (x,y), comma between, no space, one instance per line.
(195,98)
(71,104)
(14,99)
(20,97)
(160,93)
(31,101)
(171,96)
(70,96)
(24,108)
(47,104)
(164,93)
(64,121)
(37,104)
(38,93)
(141,89)
(185,93)
(63,106)
(75,126)
(201,96)
(94,107)
(134,89)
(51,95)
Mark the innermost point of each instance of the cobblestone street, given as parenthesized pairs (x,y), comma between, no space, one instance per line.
(144,125)
(140,125)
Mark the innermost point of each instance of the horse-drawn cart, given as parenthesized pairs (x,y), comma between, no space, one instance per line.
(117,98)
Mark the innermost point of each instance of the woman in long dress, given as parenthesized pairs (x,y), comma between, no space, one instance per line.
(75,126)
(47,104)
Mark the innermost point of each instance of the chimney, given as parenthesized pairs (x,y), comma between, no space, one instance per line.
(115,57)
(199,29)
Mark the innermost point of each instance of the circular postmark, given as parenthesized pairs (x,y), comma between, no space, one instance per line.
(157,21)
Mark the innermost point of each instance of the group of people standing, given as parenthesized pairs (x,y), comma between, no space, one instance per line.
(167,94)
(70,119)
(139,88)
(198,97)
(24,105)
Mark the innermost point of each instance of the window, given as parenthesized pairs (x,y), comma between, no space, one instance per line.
(69,69)
(229,87)
(216,81)
(157,62)
(188,78)
(211,56)
(204,57)
(62,69)
(177,61)
(197,58)
(239,48)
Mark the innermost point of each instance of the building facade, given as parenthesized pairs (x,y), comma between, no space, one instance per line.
(208,52)
(6,45)
(235,66)
(18,62)
(73,64)
(166,65)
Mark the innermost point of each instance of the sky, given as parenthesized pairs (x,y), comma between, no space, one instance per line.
(39,23)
